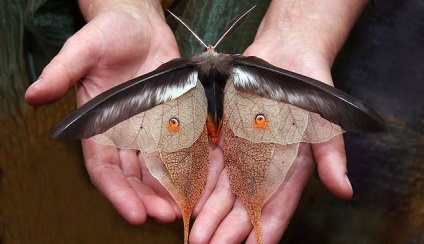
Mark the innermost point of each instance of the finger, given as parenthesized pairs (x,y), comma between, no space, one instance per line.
(76,57)
(216,165)
(217,206)
(156,207)
(331,162)
(102,163)
(279,209)
(235,227)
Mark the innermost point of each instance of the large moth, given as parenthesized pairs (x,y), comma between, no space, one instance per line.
(263,112)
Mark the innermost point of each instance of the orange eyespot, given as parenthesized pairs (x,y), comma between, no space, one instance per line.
(260,121)
(174,124)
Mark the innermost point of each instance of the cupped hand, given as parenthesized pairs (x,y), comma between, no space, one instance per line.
(223,218)
(118,43)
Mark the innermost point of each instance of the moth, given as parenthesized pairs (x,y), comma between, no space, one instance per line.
(263,113)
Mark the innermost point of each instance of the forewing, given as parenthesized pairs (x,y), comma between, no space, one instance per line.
(151,132)
(169,81)
(256,76)
(285,123)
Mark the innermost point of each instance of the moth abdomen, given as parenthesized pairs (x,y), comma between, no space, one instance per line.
(214,70)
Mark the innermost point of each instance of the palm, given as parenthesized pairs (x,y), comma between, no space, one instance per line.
(117,51)
(116,55)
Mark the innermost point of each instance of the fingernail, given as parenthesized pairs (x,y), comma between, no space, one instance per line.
(38,80)
(35,82)
(348,181)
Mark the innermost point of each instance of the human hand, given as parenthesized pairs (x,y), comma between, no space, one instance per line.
(310,51)
(120,41)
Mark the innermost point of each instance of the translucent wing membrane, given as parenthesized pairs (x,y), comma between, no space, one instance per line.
(261,141)
(183,173)
(151,131)
(284,123)
(256,170)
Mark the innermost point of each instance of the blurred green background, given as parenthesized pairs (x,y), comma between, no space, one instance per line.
(46,195)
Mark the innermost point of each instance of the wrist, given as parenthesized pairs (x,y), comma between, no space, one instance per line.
(293,56)
(92,8)
(320,27)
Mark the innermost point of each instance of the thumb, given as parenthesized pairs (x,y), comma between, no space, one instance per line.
(331,162)
(71,64)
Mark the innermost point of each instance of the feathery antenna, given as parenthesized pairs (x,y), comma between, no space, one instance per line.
(189,30)
(228,30)
(233,25)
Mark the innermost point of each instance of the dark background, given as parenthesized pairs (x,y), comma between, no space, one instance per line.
(46,195)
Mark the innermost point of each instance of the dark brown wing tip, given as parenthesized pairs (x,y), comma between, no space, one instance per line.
(331,103)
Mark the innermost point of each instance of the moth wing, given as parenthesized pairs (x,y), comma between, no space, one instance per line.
(175,154)
(151,131)
(256,76)
(284,123)
(167,82)
(259,154)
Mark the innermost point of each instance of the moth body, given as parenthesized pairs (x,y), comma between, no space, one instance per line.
(214,69)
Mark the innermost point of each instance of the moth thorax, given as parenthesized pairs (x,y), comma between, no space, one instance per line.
(212,62)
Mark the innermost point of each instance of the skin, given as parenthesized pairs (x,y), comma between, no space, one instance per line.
(290,36)
(302,36)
